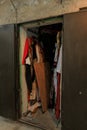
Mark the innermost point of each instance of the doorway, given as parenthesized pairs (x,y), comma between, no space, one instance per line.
(39,81)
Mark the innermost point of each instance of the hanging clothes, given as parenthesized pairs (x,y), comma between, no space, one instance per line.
(59,70)
(27,49)
(26,61)
(57,48)
(59,63)
(57,107)
(54,71)
(56,52)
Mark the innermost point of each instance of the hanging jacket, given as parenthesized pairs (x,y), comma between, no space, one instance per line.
(27,49)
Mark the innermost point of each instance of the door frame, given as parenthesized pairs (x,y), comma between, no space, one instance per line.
(31,24)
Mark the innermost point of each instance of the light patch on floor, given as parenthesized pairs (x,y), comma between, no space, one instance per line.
(6,124)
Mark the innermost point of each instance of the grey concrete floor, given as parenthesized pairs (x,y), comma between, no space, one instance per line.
(6,124)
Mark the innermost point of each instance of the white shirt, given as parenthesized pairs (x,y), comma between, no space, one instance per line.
(59,63)
(28,61)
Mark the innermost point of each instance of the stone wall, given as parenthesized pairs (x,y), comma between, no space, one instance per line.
(28,10)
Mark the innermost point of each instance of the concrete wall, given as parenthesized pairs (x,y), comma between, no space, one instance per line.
(28,10)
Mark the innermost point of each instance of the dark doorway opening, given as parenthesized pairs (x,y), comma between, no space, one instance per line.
(44,65)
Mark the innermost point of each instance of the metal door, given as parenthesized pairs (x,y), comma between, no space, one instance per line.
(74,95)
(7,72)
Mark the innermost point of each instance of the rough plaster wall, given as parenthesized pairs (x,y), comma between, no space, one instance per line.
(35,9)
(22,71)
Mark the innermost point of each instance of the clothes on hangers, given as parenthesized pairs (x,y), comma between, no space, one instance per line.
(26,51)
(59,63)
(56,56)
(56,52)
(59,71)
(34,53)
(57,107)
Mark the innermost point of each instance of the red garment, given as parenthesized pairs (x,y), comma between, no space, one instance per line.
(26,49)
(57,108)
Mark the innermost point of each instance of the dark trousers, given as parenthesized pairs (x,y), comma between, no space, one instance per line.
(28,77)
